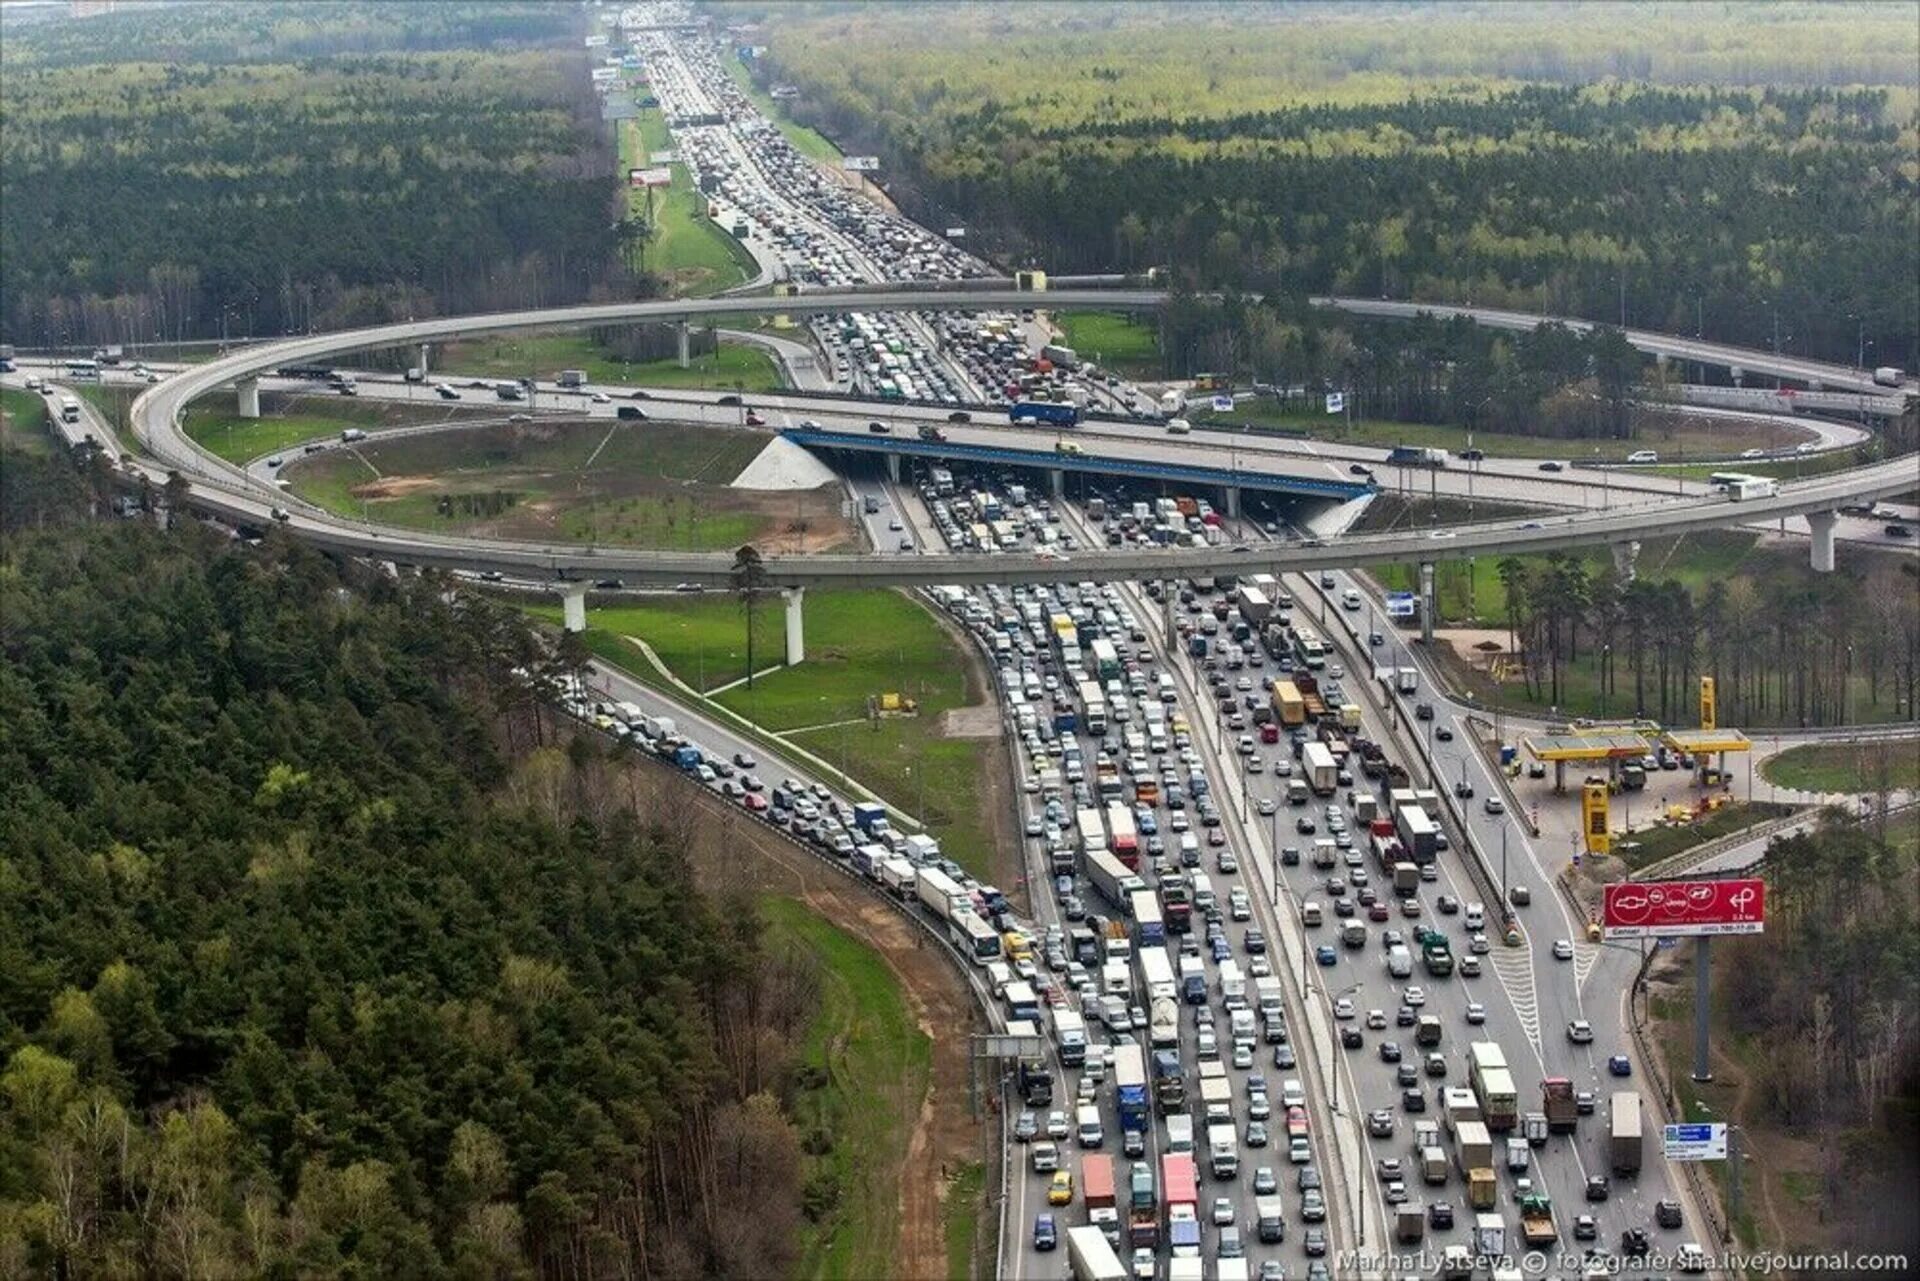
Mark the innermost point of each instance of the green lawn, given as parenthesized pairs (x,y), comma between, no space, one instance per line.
(660,485)
(1789,469)
(1466,593)
(24,423)
(965,1203)
(859,644)
(696,257)
(115,405)
(546,354)
(1123,343)
(808,142)
(1650,845)
(863,1074)
(1845,767)
(238,440)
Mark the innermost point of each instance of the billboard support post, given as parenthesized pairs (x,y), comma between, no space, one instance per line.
(1702,1008)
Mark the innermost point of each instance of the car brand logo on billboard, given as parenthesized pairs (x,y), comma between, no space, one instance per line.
(1636,910)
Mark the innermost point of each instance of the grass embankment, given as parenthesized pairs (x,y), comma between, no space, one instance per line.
(1646,846)
(1846,767)
(860,644)
(654,485)
(1114,340)
(695,257)
(810,143)
(115,405)
(730,366)
(862,1076)
(24,423)
(288,421)
(1468,593)
(965,1202)
(1796,468)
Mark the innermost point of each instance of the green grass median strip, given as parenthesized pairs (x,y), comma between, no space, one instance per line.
(1648,846)
(544,355)
(861,1077)
(1847,767)
(1116,341)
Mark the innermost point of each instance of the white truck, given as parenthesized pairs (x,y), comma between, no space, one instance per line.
(1180,1133)
(1091,1258)
(1070,1030)
(1223,1151)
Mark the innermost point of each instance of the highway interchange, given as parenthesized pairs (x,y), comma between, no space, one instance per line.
(1528,995)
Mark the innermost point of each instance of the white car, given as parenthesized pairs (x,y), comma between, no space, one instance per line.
(1343,1008)
(1476,1013)
(1376,1019)
(1563,949)
(601,398)
(1580,1032)
(1415,996)
(1222,1211)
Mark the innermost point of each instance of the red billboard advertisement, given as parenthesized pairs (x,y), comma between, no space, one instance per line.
(1651,909)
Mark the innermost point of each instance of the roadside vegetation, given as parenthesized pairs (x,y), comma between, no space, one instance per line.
(632,484)
(289,421)
(858,1080)
(396,160)
(1847,767)
(1785,645)
(861,646)
(1126,344)
(1815,1043)
(24,423)
(682,246)
(325,960)
(810,143)
(712,365)
(1648,844)
(1298,152)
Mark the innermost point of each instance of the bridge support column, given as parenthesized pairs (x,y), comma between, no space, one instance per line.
(574,606)
(1233,502)
(1426,602)
(1171,632)
(1056,482)
(248,390)
(684,350)
(893,468)
(796,629)
(425,368)
(1624,557)
(1822,523)
(1738,375)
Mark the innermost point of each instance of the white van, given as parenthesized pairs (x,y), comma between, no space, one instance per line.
(1350,598)
(1475,916)
(1399,961)
(1089,1130)
(1178,427)
(1310,913)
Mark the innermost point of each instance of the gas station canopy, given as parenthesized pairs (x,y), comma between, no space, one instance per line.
(1608,745)
(1703,742)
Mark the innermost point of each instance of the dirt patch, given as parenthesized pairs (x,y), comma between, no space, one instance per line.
(394,487)
(732,854)
(981,721)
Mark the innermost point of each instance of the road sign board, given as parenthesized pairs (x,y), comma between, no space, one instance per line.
(1650,909)
(1695,1142)
(1001,1045)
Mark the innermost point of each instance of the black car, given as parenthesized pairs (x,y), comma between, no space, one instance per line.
(1598,1189)
(1350,1038)
(1290,856)
(1444,733)
(1440,1215)
(959,416)
(1413,1100)
(609,584)
(1472,455)
(728,399)
(1361,469)
(1389,1052)
(1633,1243)
(1667,1214)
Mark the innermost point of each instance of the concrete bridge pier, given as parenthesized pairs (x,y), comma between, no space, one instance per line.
(574,606)
(893,468)
(248,390)
(796,627)
(1738,375)
(1822,524)
(1426,602)
(1625,555)
(1057,482)
(684,344)
(1233,502)
(1171,632)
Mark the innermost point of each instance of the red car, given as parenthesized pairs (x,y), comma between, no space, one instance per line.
(755,420)
(755,802)
(1378,912)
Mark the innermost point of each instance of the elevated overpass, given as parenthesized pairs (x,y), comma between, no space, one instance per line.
(227,490)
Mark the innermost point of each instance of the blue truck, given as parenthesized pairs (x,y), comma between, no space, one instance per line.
(870,817)
(687,757)
(1041,411)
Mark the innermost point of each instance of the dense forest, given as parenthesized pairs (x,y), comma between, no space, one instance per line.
(1306,150)
(248,169)
(318,956)
(1785,645)
(1830,992)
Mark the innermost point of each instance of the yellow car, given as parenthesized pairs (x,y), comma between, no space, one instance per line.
(1060,1191)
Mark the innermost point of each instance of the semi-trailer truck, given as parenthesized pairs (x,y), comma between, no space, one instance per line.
(1091,1258)
(1624,1132)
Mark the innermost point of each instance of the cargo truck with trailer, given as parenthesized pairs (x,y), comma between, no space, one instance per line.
(1090,1258)
(1624,1136)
